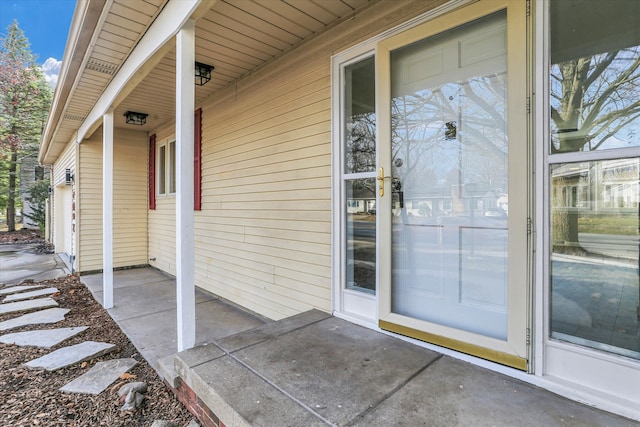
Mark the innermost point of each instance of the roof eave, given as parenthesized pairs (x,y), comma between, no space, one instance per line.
(83,26)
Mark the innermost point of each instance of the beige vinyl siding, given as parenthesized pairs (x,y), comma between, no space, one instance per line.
(263,238)
(162,220)
(64,237)
(130,200)
(67,160)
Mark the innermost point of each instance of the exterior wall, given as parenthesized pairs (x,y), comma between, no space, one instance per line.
(130,200)
(63,231)
(263,237)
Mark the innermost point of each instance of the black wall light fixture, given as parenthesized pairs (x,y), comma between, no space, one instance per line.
(134,118)
(202,73)
(69,177)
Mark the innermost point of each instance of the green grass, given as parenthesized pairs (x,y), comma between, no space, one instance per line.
(621,224)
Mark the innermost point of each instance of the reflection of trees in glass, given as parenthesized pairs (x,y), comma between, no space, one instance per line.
(594,99)
(451,135)
(595,104)
(360,153)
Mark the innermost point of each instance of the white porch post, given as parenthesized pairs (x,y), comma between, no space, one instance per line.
(107,209)
(185,251)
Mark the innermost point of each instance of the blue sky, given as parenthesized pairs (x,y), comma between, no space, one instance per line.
(46,24)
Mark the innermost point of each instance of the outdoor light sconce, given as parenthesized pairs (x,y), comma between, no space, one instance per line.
(203,73)
(68,177)
(134,118)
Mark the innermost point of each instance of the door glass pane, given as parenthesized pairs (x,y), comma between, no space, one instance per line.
(595,74)
(361,235)
(360,117)
(359,203)
(450,178)
(594,262)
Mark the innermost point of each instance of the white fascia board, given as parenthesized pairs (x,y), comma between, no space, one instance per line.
(163,29)
(74,53)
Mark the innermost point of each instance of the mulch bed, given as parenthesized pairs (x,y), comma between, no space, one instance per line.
(31,397)
(20,236)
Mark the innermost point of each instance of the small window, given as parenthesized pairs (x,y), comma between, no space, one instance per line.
(162,150)
(167,168)
(172,167)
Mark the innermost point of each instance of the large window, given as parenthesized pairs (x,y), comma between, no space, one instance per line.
(594,174)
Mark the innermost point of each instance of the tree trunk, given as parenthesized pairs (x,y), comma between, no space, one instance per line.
(11,202)
(564,219)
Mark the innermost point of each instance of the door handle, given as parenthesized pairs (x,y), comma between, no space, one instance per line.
(381,179)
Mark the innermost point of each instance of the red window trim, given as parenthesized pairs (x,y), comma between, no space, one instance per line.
(197,160)
(152,172)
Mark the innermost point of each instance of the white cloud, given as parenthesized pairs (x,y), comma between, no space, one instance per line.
(51,69)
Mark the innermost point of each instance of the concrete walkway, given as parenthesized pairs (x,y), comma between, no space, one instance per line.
(22,262)
(315,369)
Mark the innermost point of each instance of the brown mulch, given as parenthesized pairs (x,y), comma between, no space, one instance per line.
(20,236)
(31,397)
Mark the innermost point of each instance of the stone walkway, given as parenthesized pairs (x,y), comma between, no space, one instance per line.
(25,298)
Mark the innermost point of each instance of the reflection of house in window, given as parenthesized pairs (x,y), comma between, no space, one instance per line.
(361,201)
(611,184)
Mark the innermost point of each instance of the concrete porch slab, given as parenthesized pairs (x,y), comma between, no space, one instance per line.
(155,334)
(34,304)
(145,309)
(241,398)
(456,393)
(271,330)
(329,368)
(50,315)
(45,338)
(342,374)
(336,368)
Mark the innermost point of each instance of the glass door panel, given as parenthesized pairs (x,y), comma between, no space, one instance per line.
(450,178)
(594,213)
(361,235)
(453,241)
(594,261)
(358,169)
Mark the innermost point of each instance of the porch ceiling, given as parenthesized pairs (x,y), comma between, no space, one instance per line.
(235,36)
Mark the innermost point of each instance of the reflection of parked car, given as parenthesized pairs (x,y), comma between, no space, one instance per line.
(495,213)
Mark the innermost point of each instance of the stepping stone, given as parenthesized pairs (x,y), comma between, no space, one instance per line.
(50,315)
(32,304)
(16,289)
(28,295)
(67,356)
(100,376)
(45,338)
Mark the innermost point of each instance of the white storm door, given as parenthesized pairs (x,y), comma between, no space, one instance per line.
(452,182)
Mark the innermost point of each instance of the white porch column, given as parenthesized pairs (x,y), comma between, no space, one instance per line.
(185,251)
(107,209)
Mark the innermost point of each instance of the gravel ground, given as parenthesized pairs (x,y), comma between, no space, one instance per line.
(31,397)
